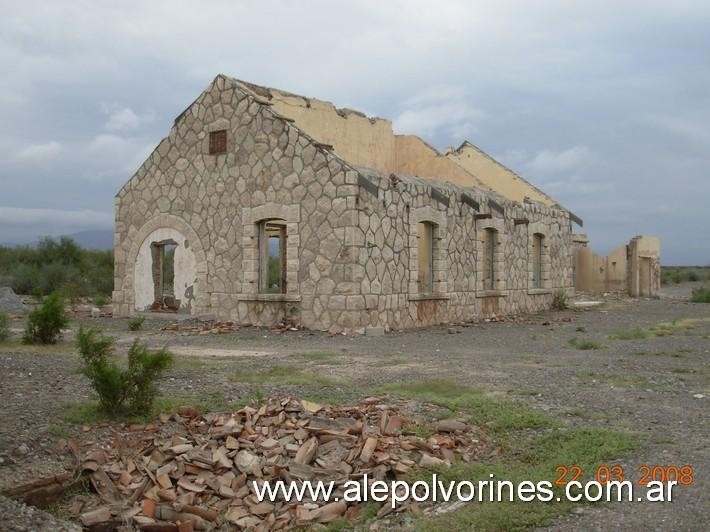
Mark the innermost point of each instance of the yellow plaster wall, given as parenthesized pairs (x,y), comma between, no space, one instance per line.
(371,142)
(417,158)
(495,175)
(360,140)
(595,273)
(365,141)
(621,269)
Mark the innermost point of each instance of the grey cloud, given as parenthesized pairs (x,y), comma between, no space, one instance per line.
(553,162)
(40,153)
(442,113)
(603,104)
(124,118)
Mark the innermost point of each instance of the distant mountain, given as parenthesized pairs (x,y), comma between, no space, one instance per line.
(94,238)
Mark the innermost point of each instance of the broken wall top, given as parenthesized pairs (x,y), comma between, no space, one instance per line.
(370,142)
(356,140)
(496,175)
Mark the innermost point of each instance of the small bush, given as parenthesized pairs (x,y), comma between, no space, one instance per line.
(4,327)
(101,301)
(559,300)
(701,295)
(129,390)
(693,276)
(45,323)
(585,345)
(135,324)
(71,291)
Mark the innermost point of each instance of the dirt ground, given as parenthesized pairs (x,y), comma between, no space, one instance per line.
(658,386)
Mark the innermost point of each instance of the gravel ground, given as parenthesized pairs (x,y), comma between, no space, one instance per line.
(18,517)
(658,387)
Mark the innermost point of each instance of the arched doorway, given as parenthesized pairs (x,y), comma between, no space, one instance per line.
(165,276)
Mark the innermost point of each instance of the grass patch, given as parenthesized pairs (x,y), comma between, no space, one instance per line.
(212,401)
(682,370)
(585,345)
(625,381)
(89,412)
(367,513)
(190,363)
(533,392)
(524,455)
(660,329)
(423,430)
(319,357)
(663,329)
(281,375)
(637,333)
(481,409)
(332,399)
(59,431)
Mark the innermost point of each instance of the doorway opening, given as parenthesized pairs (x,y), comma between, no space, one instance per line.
(163,255)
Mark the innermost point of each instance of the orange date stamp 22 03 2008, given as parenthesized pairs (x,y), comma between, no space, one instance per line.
(683,475)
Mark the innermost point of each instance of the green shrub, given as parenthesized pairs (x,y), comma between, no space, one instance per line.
(559,300)
(101,301)
(57,265)
(4,327)
(122,390)
(45,323)
(693,276)
(71,292)
(135,324)
(700,295)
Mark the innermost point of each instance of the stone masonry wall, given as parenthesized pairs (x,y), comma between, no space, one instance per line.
(351,240)
(387,242)
(270,170)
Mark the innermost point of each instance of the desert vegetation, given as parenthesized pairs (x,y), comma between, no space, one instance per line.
(701,295)
(131,389)
(57,265)
(682,274)
(45,323)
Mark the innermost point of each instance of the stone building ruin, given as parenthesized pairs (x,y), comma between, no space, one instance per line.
(261,206)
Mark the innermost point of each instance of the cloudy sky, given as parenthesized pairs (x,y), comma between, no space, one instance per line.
(605,105)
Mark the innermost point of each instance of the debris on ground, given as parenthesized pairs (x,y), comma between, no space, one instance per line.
(191,471)
(86,311)
(202,327)
(286,325)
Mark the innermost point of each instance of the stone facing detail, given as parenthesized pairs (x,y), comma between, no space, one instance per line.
(351,253)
